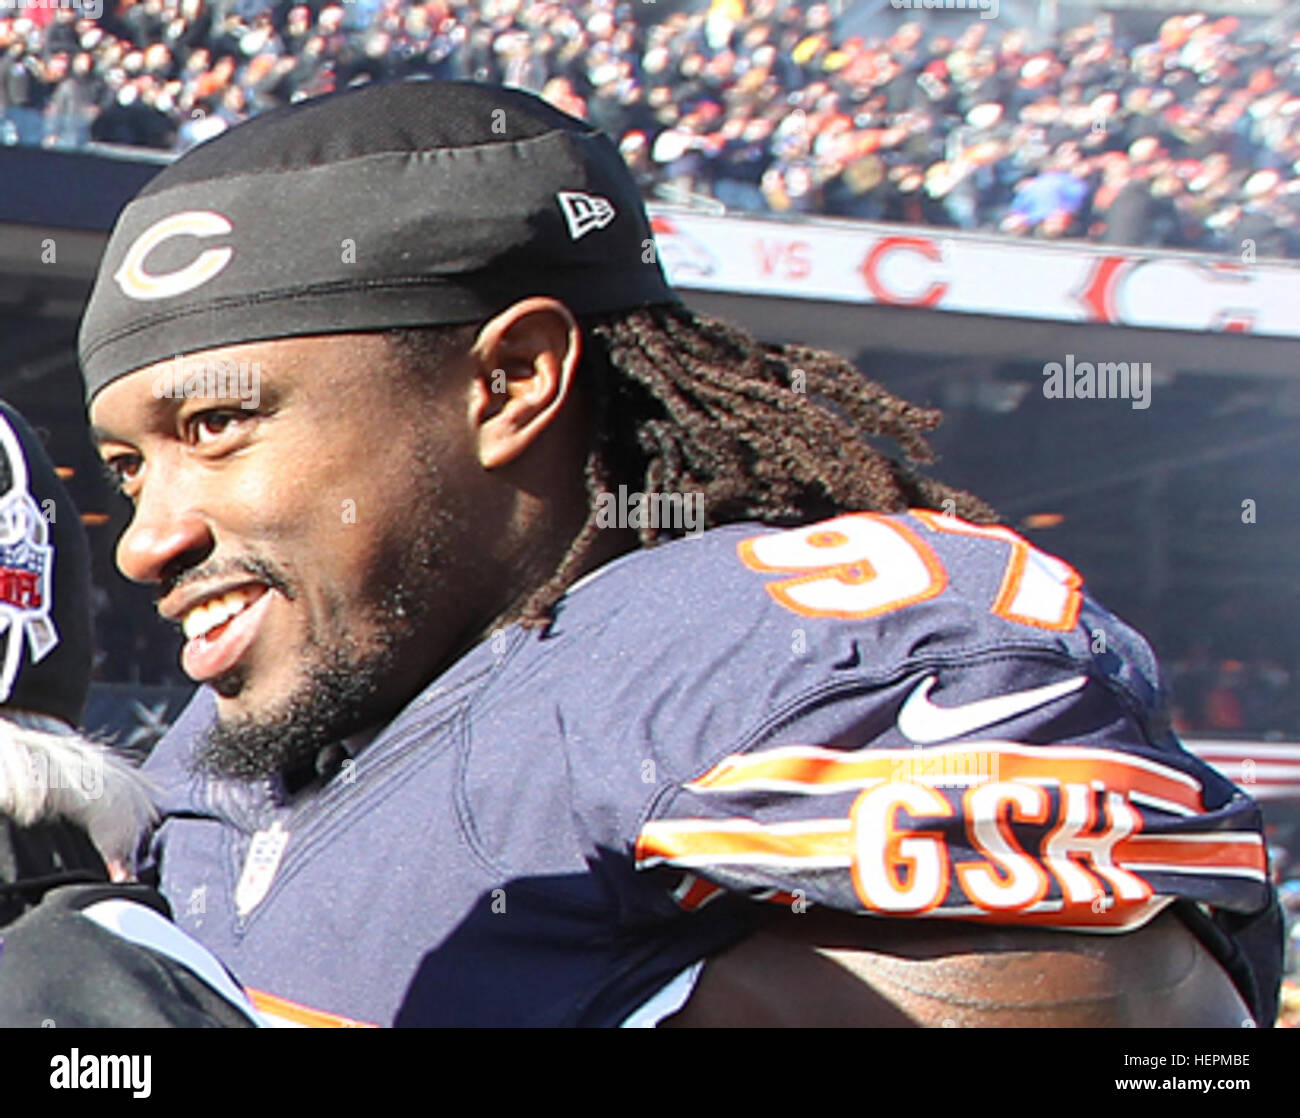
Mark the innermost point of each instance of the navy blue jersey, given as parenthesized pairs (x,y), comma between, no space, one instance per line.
(886,715)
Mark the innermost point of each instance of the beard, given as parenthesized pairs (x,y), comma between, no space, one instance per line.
(346,681)
(339,696)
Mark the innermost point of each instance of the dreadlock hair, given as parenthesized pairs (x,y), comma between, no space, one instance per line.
(687,404)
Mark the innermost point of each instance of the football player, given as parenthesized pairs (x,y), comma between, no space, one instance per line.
(401,399)
(80,946)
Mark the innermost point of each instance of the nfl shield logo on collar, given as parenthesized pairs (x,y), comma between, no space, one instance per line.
(264,854)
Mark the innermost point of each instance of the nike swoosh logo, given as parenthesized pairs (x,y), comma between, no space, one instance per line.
(923,722)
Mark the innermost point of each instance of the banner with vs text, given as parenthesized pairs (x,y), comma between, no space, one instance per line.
(937,269)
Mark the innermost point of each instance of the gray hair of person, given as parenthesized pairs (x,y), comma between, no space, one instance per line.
(48,771)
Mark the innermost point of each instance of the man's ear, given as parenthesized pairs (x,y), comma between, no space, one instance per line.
(526,360)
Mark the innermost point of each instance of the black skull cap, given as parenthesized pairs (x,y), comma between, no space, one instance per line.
(405,204)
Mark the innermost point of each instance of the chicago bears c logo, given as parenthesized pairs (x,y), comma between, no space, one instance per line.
(136,283)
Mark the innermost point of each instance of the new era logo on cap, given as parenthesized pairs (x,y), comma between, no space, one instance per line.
(584,212)
(198,259)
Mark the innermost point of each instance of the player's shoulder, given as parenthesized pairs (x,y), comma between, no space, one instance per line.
(856,566)
(673,657)
(170,764)
(751,600)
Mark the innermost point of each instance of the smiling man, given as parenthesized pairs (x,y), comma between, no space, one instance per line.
(467,753)
(345,560)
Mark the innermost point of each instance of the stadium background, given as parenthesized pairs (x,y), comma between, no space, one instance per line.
(953,202)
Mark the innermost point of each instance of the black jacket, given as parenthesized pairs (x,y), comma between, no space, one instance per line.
(77,950)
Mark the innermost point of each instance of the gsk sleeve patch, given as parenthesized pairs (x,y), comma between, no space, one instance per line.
(1012,776)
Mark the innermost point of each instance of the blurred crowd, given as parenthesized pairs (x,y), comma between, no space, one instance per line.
(1188,140)
(1253,697)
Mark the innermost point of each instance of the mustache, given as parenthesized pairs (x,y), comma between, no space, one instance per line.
(260,569)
